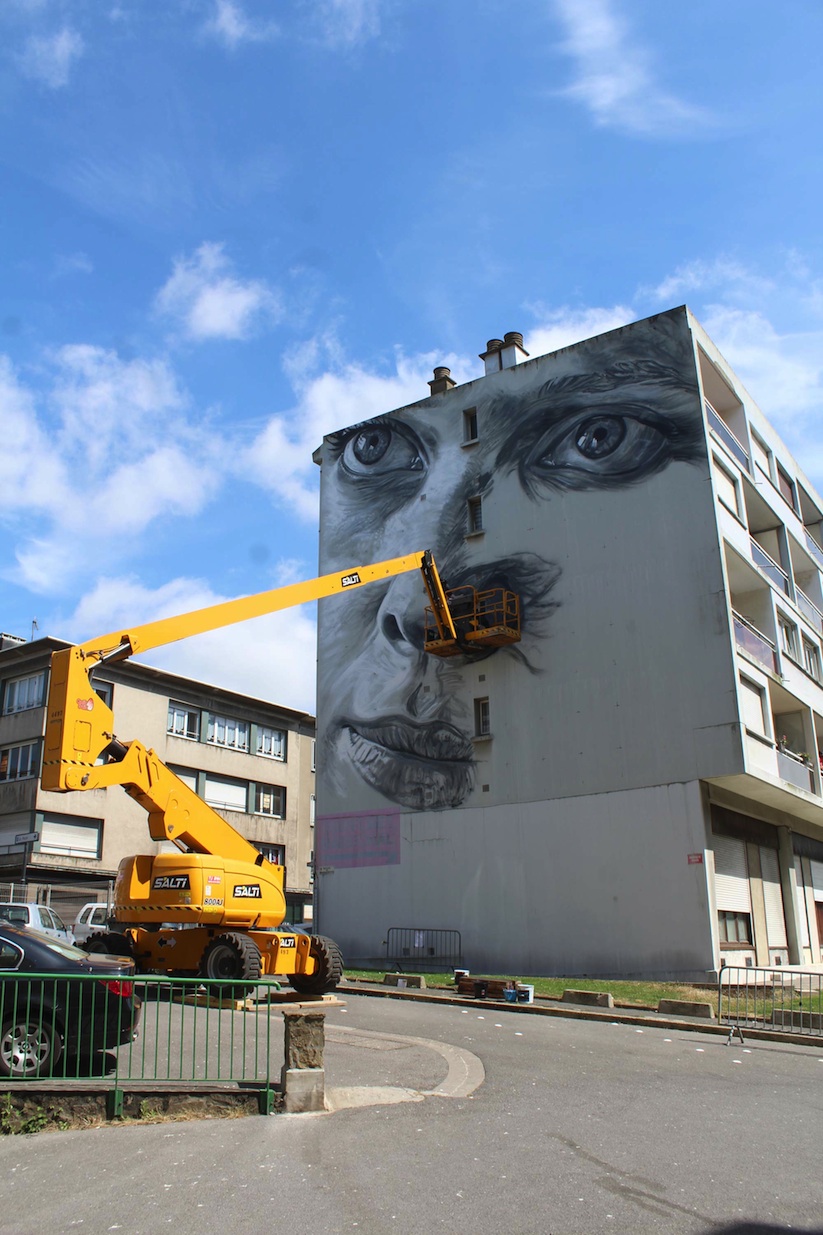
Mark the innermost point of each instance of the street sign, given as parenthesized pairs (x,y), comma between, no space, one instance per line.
(23,838)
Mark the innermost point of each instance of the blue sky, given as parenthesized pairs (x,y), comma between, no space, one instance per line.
(229,226)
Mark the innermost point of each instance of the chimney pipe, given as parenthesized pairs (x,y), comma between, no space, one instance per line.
(442,381)
(512,351)
(491,356)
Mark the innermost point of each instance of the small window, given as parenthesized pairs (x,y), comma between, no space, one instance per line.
(752,710)
(788,636)
(272,743)
(276,854)
(183,722)
(475,514)
(227,731)
(18,762)
(470,424)
(811,658)
(734,927)
(226,792)
(270,800)
(726,486)
(482,721)
(762,455)
(786,486)
(104,691)
(21,694)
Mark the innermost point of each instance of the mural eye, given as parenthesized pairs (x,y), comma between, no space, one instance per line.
(599,448)
(600,436)
(379,450)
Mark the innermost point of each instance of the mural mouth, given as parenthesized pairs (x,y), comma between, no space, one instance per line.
(420,766)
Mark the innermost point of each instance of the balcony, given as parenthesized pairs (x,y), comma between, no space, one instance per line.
(814,548)
(795,770)
(776,574)
(735,448)
(809,610)
(754,644)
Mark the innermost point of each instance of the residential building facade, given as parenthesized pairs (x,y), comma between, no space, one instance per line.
(253,761)
(635,788)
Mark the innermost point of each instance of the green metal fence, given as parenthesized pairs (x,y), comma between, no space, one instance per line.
(190,1031)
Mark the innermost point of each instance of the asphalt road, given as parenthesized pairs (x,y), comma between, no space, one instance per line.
(577,1128)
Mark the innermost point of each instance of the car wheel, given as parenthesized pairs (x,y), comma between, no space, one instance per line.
(29,1046)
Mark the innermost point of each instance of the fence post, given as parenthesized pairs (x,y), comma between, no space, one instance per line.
(303,1076)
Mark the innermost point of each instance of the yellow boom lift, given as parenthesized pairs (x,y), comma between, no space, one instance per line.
(218,886)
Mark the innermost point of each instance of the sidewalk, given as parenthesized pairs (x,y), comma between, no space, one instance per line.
(541,1006)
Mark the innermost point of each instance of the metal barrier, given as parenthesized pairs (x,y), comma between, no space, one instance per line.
(155,1029)
(410,947)
(790,1000)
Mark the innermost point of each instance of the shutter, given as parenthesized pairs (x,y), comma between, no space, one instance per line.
(230,794)
(69,839)
(731,875)
(817,879)
(726,489)
(751,706)
(801,903)
(773,896)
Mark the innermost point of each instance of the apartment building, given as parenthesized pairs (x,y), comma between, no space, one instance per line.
(634,788)
(253,761)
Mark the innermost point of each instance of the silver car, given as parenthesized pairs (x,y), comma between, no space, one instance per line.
(92,917)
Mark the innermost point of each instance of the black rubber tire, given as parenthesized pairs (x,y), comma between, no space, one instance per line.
(328,973)
(232,955)
(109,943)
(30,1045)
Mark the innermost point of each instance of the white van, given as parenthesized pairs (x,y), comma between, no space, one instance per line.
(92,917)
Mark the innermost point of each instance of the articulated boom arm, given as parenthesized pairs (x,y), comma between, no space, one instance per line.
(82,752)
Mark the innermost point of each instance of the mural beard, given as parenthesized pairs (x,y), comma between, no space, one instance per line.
(397,725)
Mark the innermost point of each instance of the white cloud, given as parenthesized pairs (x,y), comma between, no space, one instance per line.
(49,58)
(207,301)
(702,276)
(106,450)
(72,263)
(231,26)
(561,327)
(345,23)
(615,78)
(274,659)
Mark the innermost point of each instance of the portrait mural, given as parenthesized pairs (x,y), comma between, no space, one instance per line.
(558,438)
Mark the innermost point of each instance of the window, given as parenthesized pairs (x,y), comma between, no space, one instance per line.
(786,486)
(226,731)
(314,756)
(475,514)
(482,723)
(270,800)
(18,762)
(272,743)
(183,722)
(762,455)
(470,424)
(24,693)
(726,486)
(104,690)
(226,792)
(751,706)
(734,927)
(788,636)
(811,658)
(276,854)
(71,836)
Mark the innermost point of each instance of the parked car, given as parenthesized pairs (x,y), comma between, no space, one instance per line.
(86,1004)
(40,917)
(92,917)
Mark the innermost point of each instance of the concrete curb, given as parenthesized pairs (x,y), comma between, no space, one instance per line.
(647,1019)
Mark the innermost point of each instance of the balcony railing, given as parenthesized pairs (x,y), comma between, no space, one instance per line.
(809,610)
(734,447)
(754,644)
(770,567)
(795,770)
(814,548)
